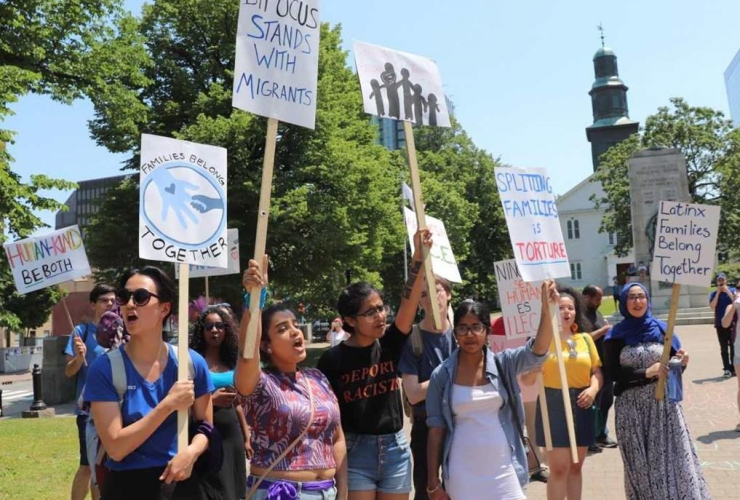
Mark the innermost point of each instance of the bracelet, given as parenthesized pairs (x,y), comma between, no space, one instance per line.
(263,298)
(439,485)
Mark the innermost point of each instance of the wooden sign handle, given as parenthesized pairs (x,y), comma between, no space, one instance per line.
(263,216)
(182,350)
(71,322)
(544,412)
(675,294)
(208,295)
(555,318)
(422,223)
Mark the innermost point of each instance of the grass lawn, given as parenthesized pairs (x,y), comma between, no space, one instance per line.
(38,458)
(607,306)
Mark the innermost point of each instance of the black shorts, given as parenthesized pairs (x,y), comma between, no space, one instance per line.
(81,426)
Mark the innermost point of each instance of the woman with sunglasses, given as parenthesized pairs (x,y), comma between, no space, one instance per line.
(139,433)
(659,456)
(362,371)
(215,338)
(584,379)
(475,413)
(296,434)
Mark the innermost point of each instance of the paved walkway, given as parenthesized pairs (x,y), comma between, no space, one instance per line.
(711,411)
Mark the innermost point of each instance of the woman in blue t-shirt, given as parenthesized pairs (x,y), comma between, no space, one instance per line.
(139,433)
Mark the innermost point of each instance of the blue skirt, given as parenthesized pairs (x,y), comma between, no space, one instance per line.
(584,420)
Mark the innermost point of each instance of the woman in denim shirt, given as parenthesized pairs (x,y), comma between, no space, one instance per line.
(468,410)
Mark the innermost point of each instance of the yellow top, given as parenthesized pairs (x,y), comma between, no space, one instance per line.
(578,368)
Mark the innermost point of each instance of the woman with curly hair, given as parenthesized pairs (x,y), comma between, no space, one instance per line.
(583,373)
(215,338)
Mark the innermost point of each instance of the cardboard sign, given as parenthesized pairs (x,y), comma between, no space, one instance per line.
(443,260)
(401,86)
(233,268)
(521,302)
(533,222)
(685,243)
(182,213)
(277,59)
(42,261)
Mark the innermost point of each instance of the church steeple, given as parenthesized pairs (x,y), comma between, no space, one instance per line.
(608,93)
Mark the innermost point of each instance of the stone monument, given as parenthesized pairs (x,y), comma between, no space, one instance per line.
(658,175)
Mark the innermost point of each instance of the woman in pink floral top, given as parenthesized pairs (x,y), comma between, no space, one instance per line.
(277,405)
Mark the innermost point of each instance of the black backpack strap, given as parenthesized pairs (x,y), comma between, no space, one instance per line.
(512,401)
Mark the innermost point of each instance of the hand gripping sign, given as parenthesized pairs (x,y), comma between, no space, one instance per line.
(537,241)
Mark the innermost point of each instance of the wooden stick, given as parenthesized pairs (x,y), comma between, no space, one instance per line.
(262,218)
(208,295)
(555,318)
(182,351)
(72,323)
(660,390)
(422,223)
(544,411)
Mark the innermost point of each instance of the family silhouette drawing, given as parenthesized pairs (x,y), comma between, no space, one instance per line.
(414,102)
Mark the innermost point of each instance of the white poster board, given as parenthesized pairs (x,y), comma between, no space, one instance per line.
(182,212)
(400,86)
(521,301)
(233,268)
(443,260)
(277,60)
(533,222)
(685,243)
(42,261)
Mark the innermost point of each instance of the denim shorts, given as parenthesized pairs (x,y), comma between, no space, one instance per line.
(381,463)
(262,493)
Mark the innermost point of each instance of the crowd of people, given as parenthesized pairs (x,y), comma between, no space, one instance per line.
(266,427)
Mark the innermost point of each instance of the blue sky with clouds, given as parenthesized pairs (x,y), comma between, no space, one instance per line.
(517,72)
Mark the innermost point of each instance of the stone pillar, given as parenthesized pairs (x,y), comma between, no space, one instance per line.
(58,388)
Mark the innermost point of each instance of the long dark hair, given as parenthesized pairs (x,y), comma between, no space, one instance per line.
(166,289)
(267,315)
(228,352)
(477,309)
(577,303)
(351,299)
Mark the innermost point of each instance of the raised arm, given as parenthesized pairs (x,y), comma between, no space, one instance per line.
(412,290)
(550,298)
(247,374)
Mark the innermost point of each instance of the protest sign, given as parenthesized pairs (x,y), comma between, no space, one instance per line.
(182,202)
(233,266)
(685,243)
(521,301)
(400,86)
(277,60)
(441,251)
(533,222)
(42,261)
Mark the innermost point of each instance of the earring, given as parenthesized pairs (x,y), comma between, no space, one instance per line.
(574,328)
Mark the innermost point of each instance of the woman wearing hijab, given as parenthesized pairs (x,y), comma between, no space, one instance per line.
(659,458)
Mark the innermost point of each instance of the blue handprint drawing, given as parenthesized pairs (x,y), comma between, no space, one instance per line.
(205,204)
(175,196)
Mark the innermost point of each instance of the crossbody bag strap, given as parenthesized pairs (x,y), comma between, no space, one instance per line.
(292,445)
(512,401)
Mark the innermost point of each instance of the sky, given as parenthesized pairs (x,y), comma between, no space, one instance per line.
(518,74)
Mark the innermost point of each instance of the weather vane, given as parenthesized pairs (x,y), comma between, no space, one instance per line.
(601,30)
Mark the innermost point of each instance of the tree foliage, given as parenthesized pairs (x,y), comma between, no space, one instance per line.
(712,151)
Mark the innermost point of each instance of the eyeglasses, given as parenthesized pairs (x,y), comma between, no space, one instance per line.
(218,325)
(372,314)
(635,298)
(141,296)
(477,329)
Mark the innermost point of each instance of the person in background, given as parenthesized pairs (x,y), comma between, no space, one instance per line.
(337,333)
(426,349)
(216,339)
(596,325)
(82,349)
(730,321)
(615,292)
(659,456)
(474,410)
(719,299)
(497,341)
(584,378)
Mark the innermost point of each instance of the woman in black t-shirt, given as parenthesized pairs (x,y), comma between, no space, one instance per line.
(362,371)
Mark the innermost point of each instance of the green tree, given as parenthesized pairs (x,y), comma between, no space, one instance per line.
(712,151)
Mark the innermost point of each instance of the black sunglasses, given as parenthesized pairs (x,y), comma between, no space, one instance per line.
(218,325)
(141,296)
